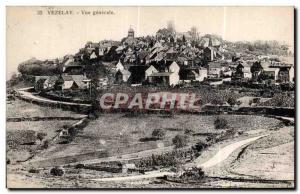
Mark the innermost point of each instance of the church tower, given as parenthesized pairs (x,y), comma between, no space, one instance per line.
(131,32)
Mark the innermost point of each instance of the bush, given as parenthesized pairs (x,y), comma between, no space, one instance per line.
(231,101)
(33,170)
(41,135)
(180,141)
(45,144)
(200,146)
(56,171)
(188,131)
(221,123)
(158,134)
(192,174)
(72,131)
(78,166)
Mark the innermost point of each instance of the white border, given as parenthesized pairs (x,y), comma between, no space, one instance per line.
(295,3)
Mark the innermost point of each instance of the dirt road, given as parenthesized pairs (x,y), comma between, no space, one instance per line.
(224,153)
(27,95)
(220,156)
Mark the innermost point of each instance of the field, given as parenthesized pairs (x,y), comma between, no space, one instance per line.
(123,137)
(119,134)
(19,108)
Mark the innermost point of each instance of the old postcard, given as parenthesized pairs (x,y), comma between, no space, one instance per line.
(150,97)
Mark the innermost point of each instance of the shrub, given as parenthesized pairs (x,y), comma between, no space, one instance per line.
(192,174)
(188,131)
(45,144)
(78,166)
(180,141)
(41,135)
(33,170)
(158,134)
(220,123)
(72,131)
(56,171)
(200,146)
(231,101)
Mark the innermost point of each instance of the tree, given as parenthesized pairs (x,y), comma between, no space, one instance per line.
(231,101)
(180,140)
(158,134)
(183,39)
(220,123)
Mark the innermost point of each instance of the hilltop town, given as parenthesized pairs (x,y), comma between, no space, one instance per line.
(242,134)
(169,58)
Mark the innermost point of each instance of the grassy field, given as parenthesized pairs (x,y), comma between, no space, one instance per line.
(120,134)
(21,137)
(274,153)
(19,108)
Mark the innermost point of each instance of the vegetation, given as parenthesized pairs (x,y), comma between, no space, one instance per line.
(56,171)
(41,135)
(192,174)
(232,101)
(158,134)
(220,123)
(180,140)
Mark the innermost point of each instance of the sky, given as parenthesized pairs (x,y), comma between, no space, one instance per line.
(29,34)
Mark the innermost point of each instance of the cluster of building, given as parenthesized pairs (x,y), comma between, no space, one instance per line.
(168,59)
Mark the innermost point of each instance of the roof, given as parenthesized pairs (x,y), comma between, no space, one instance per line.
(143,54)
(160,74)
(67,77)
(79,79)
(68,84)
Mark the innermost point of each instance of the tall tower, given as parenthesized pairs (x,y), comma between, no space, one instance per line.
(131,32)
(171,26)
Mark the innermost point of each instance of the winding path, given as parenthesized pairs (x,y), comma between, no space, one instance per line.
(27,95)
(224,152)
(220,156)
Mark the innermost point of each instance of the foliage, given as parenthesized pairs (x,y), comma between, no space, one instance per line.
(231,101)
(158,134)
(41,135)
(180,140)
(192,174)
(220,123)
(56,171)
(200,146)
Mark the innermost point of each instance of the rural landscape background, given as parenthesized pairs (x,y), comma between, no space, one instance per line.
(62,60)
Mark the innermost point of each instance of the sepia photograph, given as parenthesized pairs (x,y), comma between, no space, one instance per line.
(150,97)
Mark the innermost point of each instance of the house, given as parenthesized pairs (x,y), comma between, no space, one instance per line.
(270,73)
(202,74)
(119,66)
(122,76)
(211,54)
(214,69)
(168,73)
(150,71)
(256,70)
(243,71)
(193,74)
(45,82)
(71,82)
(286,74)
(40,85)
(164,78)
